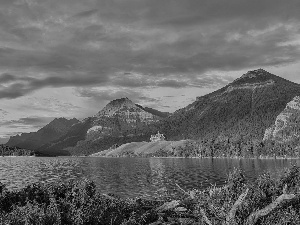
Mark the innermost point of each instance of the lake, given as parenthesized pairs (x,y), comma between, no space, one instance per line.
(133,177)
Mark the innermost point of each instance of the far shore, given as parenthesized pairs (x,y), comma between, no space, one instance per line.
(173,157)
(216,157)
(184,149)
(13,156)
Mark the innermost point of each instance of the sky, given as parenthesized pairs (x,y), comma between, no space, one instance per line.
(69,58)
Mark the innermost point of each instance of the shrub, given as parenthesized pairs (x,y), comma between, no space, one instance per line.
(79,203)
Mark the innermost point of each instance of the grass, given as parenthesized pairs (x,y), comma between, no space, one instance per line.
(268,200)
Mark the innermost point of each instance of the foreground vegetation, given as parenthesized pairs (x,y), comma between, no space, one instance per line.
(268,200)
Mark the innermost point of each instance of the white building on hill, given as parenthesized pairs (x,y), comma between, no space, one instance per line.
(157,137)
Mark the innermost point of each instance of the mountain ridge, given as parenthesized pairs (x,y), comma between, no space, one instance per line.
(46,134)
(119,121)
(255,98)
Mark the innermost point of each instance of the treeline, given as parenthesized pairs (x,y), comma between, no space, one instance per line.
(239,148)
(14,151)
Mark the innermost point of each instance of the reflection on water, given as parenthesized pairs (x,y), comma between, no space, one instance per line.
(131,177)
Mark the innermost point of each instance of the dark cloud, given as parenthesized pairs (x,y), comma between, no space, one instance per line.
(33,122)
(258,13)
(15,86)
(172,83)
(109,95)
(85,14)
(138,81)
(104,96)
(148,99)
(130,80)
(3,112)
(170,43)
(6,77)
(211,81)
(49,105)
(20,86)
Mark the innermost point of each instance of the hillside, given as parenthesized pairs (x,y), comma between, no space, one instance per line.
(147,149)
(46,134)
(154,111)
(76,133)
(242,110)
(120,121)
(287,124)
(19,138)
(282,138)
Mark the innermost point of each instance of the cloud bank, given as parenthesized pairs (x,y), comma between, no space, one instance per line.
(140,43)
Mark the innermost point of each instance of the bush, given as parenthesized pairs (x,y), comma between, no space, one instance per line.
(79,203)
(71,203)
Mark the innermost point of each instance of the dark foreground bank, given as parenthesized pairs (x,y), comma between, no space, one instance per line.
(266,201)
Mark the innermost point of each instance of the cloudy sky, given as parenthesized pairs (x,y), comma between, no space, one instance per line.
(68,58)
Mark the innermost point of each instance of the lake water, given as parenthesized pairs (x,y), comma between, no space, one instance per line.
(133,177)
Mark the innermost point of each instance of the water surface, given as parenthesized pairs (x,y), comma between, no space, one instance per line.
(132,177)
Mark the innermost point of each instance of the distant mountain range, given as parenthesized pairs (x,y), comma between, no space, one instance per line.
(242,110)
(46,134)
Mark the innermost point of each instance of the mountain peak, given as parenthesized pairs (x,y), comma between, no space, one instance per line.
(115,105)
(255,73)
(258,76)
(58,122)
(121,101)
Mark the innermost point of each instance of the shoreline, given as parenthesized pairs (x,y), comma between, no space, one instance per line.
(180,157)
(188,149)
(164,157)
(14,156)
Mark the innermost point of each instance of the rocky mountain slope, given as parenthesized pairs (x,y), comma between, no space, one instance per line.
(46,134)
(242,110)
(120,121)
(287,124)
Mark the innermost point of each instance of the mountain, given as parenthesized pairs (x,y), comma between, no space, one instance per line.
(19,138)
(76,133)
(242,110)
(4,140)
(154,111)
(46,134)
(231,120)
(120,121)
(286,128)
